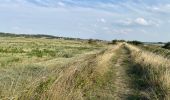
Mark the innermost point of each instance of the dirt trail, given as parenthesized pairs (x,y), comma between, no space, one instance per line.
(98,76)
(110,74)
(122,83)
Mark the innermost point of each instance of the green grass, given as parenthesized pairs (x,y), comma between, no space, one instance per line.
(30,65)
(41,68)
(157,50)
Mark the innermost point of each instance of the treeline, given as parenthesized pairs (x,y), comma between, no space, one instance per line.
(2,34)
(131,42)
(90,41)
(135,42)
(167,45)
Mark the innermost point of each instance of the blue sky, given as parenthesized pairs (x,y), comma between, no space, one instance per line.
(144,20)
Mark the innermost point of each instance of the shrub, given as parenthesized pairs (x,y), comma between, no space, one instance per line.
(91,41)
(41,53)
(167,45)
(135,42)
(114,41)
(16,50)
(65,54)
(49,52)
(36,52)
(12,50)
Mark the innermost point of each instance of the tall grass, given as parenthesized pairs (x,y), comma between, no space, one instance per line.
(84,78)
(157,50)
(30,65)
(157,72)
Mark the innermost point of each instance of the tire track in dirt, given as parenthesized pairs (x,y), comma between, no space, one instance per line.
(65,86)
(122,83)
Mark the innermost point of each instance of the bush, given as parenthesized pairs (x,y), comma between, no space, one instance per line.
(65,54)
(36,52)
(44,52)
(11,50)
(91,41)
(167,45)
(135,42)
(49,52)
(114,41)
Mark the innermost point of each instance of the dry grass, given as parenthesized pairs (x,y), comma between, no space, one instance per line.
(80,75)
(158,50)
(102,60)
(157,70)
(53,69)
(22,71)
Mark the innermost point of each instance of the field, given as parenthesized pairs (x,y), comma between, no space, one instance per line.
(34,68)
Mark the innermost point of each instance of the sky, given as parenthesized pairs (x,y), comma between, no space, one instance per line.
(143,20)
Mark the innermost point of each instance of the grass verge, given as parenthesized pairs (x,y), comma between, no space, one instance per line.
(150,75)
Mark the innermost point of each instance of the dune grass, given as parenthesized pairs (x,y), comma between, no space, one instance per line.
(29,63)
(156,71)
(57,69)
(157,50)
(86,78)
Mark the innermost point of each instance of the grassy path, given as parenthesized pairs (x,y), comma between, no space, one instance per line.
(130,81)
(111,74)
(123,90)
(89,78)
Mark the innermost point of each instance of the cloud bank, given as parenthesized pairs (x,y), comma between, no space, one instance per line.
(145,20)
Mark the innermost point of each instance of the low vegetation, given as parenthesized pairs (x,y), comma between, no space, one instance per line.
(117,41)
(49,68)
(167,45)
(156,71)
(158,50)
(135,42)
(28,64)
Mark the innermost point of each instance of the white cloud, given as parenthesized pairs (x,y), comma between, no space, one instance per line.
(105,28)
(102,20)
(141,21)
(126,22)
(123,31)
(67,17)
(109,30)
(61,4)
(162,8)
(107,5)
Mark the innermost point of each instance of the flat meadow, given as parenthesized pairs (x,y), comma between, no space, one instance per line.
(25,62)
(43,68)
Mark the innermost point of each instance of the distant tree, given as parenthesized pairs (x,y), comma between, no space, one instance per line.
(160,42)
(91,41)
(121,41)
(135,42)
(167,46)
(2,34)
(114,41)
